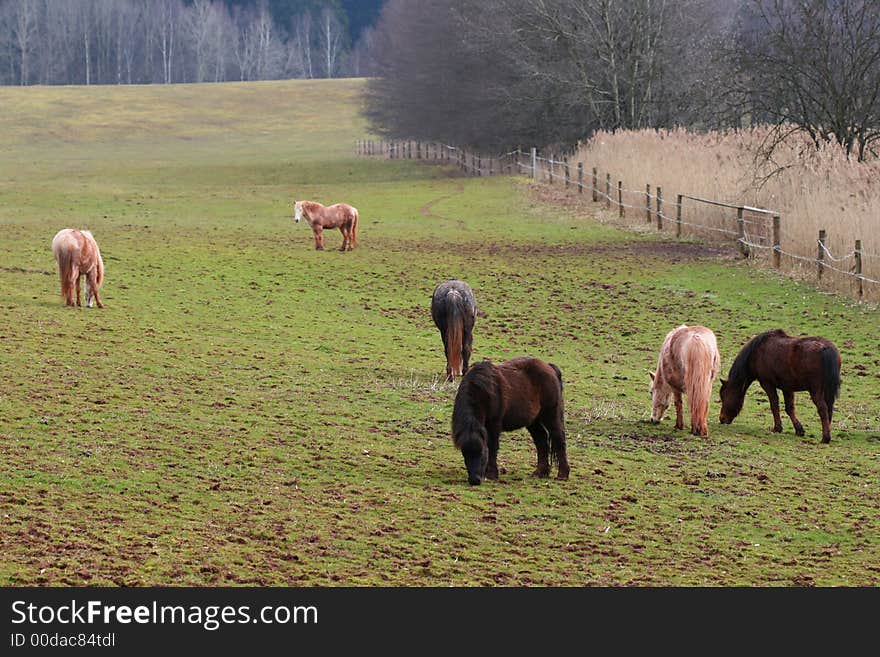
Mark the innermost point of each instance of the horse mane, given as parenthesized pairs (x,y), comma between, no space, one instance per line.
(477,387)
(741,374)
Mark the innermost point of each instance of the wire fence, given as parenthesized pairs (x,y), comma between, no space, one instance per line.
(756,232)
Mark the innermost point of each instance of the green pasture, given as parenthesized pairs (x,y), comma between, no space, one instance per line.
(248,411)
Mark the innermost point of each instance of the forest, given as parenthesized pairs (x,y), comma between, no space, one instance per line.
(168,41)
(501,73)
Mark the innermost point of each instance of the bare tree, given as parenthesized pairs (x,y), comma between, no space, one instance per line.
(299,58)
(331,39)
(22,23)
(814,67)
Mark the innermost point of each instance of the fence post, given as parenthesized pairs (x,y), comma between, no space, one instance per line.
(479,165)
(620,211)
(678,203)
(595,185)
(534,163)
(659,208)
(580,177)
(648,202)
(777,249)
(550,171)
(566,170)
(858,270)
(821,254)
(741,233)
(608,190)
(418,150)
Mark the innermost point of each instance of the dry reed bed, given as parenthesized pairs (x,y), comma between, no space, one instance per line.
(811,190)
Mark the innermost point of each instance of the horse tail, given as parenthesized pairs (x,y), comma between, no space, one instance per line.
(354,227)
(64,258)
(830,376)
(699,375)
(454,333)
(558,374)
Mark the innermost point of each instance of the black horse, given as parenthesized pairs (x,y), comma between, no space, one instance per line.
(454,309)
(778,360)
(521,392)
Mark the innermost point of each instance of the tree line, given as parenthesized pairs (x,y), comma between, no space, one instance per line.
(168,41)
(496,74)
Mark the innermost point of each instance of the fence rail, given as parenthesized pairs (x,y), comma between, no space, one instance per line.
(754,230)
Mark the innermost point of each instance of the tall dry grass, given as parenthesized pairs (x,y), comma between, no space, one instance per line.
(810,189)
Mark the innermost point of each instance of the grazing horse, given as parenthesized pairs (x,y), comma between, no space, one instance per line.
(688,364)
(341,216)
(521,392)
(778,360)
(77,254)
(454,309)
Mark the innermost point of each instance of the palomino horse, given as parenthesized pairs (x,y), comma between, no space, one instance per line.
(77,254)
(688,364)
(341,216)
(454,309)
(778,360)
(521,392)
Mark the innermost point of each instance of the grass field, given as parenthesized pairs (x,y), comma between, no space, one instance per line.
(249,411)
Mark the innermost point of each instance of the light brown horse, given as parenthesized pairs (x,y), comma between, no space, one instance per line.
(688,364)
(77,254)
(341,216)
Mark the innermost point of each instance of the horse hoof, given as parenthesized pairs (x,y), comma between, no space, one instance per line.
(827,440)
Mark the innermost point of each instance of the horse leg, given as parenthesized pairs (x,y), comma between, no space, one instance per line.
(492,466)
(557,448)
(344,238)
(93,286)
(319,238)
(819,400)
(449,376)
(788,396)
(679,418)
(78,290)
(774,406)
(541,438)
(467,342)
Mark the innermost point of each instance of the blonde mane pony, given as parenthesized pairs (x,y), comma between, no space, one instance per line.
(341,216)
(77,254)
(688,364)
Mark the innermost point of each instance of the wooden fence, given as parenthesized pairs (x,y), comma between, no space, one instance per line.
(755,231)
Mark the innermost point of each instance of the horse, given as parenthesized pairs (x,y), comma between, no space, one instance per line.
(778,360)
(341,216)
(520,392)
(454,309)
(688,364)
(77,254)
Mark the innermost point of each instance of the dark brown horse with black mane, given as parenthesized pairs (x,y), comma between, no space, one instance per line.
(778,360)
(454,310)
(521,392)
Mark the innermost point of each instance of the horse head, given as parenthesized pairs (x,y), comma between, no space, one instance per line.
(732,399)
(297,211)
(475,450)
(659,398)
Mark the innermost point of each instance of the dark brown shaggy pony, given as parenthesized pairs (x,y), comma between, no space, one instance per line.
(454,310)
(521,392)
(778,360)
